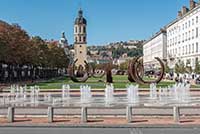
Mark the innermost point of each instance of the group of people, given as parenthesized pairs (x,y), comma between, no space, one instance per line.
(185,78)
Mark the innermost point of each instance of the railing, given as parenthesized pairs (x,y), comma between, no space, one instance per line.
(84,111)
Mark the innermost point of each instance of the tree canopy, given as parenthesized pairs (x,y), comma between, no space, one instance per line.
(180,67)
(18,48)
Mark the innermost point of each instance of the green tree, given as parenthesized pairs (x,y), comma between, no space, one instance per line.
(197,67)
(180,67)
(124,66)
(19,51)
(188,68)
(57,57)
(167,69)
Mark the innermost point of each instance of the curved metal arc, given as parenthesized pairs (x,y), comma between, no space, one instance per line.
(97,75)
(72,75)
(133,70)
(159,78)
(129,72)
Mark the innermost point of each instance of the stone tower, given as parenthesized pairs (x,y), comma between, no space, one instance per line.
(80,39)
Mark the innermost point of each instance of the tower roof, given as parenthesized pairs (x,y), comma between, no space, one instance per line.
(80,19)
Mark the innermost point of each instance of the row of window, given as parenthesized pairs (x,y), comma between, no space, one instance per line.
(188,49)
(185,37)
(184,26)
(79,29)
(80,39)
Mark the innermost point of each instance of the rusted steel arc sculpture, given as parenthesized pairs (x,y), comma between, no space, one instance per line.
(89,70)
(133,69)
(135,65)
(72,75)
(130,78)
(108,70)
(92,73)
(159,78)
(97,75)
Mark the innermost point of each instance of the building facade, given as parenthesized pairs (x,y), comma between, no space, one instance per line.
(155,47)
(80,39)
(183,36)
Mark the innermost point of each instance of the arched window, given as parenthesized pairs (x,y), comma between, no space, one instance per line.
(84,39)
(79,38)
(84,29)
(79,29)
(76,29)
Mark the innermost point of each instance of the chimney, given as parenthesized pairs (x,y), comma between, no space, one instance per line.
(179,14)
(192,4)
(184,10)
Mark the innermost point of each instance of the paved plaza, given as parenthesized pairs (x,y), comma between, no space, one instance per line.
(99,130)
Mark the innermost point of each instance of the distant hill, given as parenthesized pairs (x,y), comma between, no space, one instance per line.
(118,49)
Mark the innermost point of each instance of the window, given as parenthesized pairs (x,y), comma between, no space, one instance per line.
(84,29)
(189,35)
(84,39)
(189,23)
(79,29)
(197,19)
(192,48)
(186,36)
(175,40)
(197,47)
(197,32)
(80,52)
(189,49)
(170,42)
(192,33)
(192,21)
(186,50)
(80,39)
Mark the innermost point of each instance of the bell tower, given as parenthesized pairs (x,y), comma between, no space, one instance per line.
(80,39)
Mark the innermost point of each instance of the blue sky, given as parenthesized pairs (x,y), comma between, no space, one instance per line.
(108,20)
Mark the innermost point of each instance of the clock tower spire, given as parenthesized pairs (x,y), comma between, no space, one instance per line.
(80,39)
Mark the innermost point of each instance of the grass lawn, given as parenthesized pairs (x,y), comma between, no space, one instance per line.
(120,82)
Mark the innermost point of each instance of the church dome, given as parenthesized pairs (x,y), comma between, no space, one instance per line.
(80,19)
(63,41)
